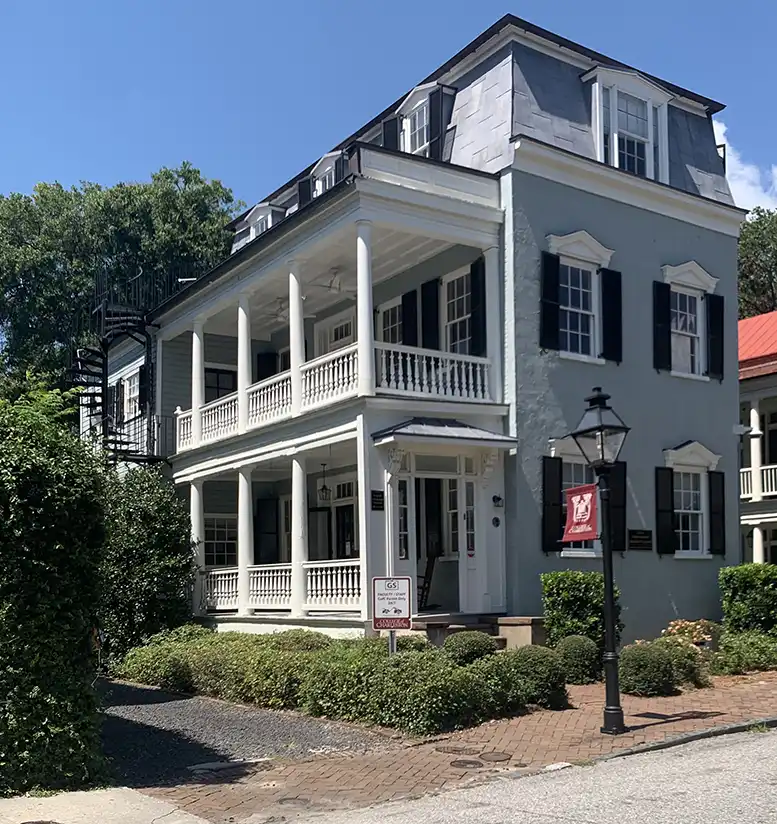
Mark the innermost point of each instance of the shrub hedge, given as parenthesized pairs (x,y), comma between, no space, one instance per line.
(421,690)
(749,595)
(689,663)
(745,652)
(573,603)
(580,659)
(466,647)
(51,534)
(646,669)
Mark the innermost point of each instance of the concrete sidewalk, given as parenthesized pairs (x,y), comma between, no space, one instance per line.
(120,806)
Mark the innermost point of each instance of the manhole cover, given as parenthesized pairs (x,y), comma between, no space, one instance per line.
(495,756)
(451,750)
(466,764)
(302,801)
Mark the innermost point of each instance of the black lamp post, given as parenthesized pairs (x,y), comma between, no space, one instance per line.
(599,437)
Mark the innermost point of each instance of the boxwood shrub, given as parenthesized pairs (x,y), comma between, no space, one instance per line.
(580,659)
(689,664)
(466,647)
(538,674)
(646,669)
(573,604)
(749,595)
(743,652)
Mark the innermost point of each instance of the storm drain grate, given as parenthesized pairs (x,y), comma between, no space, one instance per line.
(495,757)
(466,764)
(452,750)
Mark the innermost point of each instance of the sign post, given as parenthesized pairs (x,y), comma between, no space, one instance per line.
(391,606)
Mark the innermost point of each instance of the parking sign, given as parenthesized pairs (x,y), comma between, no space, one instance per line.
(391,603)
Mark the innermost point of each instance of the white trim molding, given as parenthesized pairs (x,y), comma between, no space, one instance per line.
(416,97)
(551,163)
(565,448)
(691,276)
(630,81)
(580,245)
(692,455)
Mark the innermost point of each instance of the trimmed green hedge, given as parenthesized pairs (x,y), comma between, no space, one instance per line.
(646,669)
(749,594)
(468,646)
(573,604)
(421,690)
(690,667)
(739,653)
(580,659)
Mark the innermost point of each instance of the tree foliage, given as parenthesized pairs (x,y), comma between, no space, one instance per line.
(758,263)
(54,241)
(147,566)
(51,534)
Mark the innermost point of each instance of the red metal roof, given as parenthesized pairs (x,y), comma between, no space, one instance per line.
(758,345)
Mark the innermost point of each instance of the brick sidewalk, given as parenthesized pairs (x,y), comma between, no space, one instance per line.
(526,743)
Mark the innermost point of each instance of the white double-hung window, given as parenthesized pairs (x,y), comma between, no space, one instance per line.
(630,122)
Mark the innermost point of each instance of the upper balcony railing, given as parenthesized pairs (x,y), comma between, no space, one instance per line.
(404,371)
(768,482)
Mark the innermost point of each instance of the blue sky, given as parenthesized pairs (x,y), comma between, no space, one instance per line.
(253,92)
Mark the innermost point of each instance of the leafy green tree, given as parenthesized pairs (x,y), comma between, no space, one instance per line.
(758,263)
(147,566)
(51,536)
(54,241)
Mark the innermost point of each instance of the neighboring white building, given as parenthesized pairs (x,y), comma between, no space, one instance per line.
(381,374)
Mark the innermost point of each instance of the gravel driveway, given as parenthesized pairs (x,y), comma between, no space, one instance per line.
(151,737)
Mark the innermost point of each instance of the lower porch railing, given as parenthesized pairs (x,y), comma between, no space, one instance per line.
(331,586)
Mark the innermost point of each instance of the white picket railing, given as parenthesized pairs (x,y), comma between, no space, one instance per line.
(183,430)
(219,418)
(769,480)
(428,372)
(221,588)
(269,586)
(745,483)
(333,586)
(330,377)
(269,400)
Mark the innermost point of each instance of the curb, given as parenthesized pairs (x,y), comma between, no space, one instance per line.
(686,738)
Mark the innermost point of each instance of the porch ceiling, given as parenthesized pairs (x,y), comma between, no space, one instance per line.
(329,276)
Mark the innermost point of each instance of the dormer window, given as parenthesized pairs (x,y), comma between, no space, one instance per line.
(328,171)
(325,180)
(630,123)
(417,130)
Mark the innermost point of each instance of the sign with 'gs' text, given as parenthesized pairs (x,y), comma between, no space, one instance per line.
(391,603)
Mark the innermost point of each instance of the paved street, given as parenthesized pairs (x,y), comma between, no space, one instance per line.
(726,780)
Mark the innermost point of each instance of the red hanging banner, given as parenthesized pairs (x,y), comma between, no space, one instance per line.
(581,514)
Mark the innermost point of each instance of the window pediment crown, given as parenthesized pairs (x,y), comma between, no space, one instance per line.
(418,95)
(631,82)
(691,454)
(691,275)
(582,246)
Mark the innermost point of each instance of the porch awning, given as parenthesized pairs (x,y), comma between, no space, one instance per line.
(442,430)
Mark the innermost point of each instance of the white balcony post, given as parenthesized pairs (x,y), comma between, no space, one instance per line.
(494,340)
(198,380)
(759,556)
(243,361)
(245,538)
(756,480)
(296,335)
(364,319)
(197,517)
(299,536)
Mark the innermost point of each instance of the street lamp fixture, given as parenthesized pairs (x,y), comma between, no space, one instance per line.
(600,436)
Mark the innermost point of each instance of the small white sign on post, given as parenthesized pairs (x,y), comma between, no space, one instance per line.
(391,603)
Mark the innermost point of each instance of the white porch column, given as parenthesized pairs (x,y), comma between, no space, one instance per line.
(243,361)
(198,379)
(245,538)
(197,517)
(756,439)
(364,320)
(494,326)
(759,556)
(296,336)
(299,535)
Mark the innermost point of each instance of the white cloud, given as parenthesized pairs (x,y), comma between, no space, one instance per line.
(750,185)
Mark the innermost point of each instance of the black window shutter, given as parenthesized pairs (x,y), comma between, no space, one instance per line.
(119,403)
(436,128)
(339,168)
(714,336)
(549,302)
(391,128)
(143,388)
(266,365)
(662,329)
(552,510)
(410,318)
(430,314)
(717,503)
(110,401)
(666,537)
(618,507)
(612,315)
(477,276)
(304,191)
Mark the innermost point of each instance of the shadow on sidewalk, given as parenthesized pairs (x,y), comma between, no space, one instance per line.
(659,718)
(116,694)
